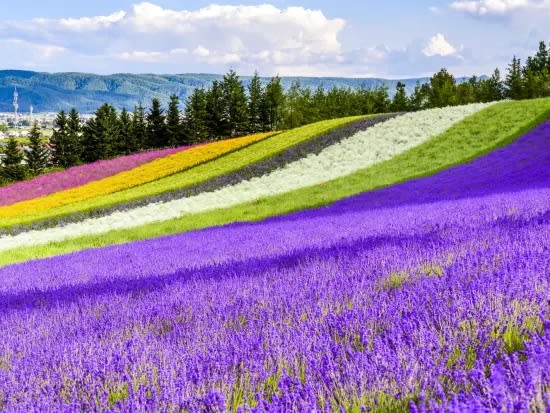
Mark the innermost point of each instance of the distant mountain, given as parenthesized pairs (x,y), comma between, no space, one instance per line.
(51,92)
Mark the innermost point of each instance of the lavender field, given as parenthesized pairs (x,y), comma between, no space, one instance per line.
(430,295)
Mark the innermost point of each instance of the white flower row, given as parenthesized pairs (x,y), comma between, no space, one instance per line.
(364,149)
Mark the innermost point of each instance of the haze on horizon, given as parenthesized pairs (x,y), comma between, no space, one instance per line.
(395,39)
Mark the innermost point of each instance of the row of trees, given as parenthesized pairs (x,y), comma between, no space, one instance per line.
(531,80)
(229,108)
(226,109)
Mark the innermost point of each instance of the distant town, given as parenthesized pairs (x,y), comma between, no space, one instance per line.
(17,124)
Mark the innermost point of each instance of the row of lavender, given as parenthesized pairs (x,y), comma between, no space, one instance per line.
(437,300)
(78,175)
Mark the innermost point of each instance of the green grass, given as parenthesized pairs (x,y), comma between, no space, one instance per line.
(208,170)
(478,134)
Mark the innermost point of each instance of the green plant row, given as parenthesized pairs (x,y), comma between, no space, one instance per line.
(208,170)
(478,134)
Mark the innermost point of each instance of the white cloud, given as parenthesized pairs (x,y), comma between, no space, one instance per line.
(92,23)
(33,55)
(201,51)
(149,38)
(438,46)
(499,7)
(258,36)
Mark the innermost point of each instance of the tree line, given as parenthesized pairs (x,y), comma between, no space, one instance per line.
(229,108)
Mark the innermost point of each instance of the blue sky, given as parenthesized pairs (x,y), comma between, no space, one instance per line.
(324,38)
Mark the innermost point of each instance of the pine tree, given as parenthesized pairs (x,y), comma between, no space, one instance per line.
(442,90)
(514,80)
(66,150)
(139,127)
(541,59)
(100,134)
(126,142)
(13,169)
(419,98)
(494,89)
(156,126)
(293,115)
(400,102)
(320,103)
(307,108)
(531,82)
(173,123)
(36,155)
(215,121)
(235,108)
(466,92)
(74,133)
(255,96)
(195,117)
(272,105)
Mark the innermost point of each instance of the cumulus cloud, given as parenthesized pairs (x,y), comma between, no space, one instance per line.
(499,7)
(438,46)
(262,36)
(273,40)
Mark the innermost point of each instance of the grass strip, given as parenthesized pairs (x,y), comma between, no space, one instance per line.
(475,136)
(226,164)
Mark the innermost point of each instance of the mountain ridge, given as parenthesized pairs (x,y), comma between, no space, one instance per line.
(51,92)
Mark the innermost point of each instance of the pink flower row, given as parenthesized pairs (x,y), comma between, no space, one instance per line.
(77,175)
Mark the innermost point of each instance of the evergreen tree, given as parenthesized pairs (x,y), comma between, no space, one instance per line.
(320,103)
(255,96)
(307,107)
(514,80)
(74,133)
(400,102)
(13,169)
(369,100)
(174,130)
(272,105)
(492,88)
(532,82)
(541,59)
(419,98)
(66,149)
(442,90)
(139,128)
(195,116)
(156,126)
(467,92)
(36,155)
(126,143)
(235,107)
(215,119)
(101,134)
(293,115)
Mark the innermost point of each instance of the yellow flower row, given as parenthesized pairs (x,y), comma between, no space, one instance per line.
(148,172)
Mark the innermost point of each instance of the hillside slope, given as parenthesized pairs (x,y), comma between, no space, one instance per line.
(429,295)
(51,92)
(469,138)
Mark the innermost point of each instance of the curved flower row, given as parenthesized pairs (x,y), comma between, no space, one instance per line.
(509,182)
(376,144)
(311,146)
(78,175)
(402,304)
(188,177)
(142,174)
